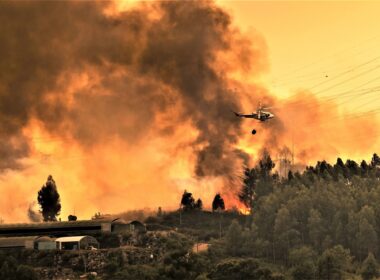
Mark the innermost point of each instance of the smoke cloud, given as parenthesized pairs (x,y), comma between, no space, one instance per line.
(33,214)
(135,69)
(307,129)
(126,108)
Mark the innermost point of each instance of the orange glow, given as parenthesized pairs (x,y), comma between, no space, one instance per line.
(129,138)
(244,211)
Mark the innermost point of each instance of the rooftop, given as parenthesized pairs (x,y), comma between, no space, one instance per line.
(72,238)
(83,223)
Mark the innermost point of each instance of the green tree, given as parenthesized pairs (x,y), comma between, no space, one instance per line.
(25,272)
(145,272)
(234,239)
(266,165)
(333,263)
(370,268)
(8,269)
(303,264)
(265,182)
(111,267)
(238,269)
(285,232)
(302,254)
(247,193)
(255,245)
(303,271)
(316,228)
(339,226)
(6,272)
(367,238)
(366,235)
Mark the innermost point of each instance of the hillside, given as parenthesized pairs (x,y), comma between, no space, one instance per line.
(323,223)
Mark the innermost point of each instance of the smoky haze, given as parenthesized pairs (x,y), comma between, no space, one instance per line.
(144,63)
(126,109)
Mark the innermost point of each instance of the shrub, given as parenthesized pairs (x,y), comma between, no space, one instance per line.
(25,272)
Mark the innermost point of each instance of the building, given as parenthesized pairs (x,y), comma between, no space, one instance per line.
(135,226)
(69,228)
(76,243)
(24,242)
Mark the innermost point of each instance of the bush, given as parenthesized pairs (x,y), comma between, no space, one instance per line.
(303,271)
(369,268)
(25,272)
(8,269)
(236,269)
(334,262)
(108,240)
(45,258)
(111,267)
(137,272)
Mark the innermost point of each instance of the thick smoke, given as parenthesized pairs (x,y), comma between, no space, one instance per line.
(128,108)
(307,129)
(33,214)
(138,66)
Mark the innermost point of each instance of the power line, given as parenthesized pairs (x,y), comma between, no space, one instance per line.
(356,92)
(347,80)
(339,52)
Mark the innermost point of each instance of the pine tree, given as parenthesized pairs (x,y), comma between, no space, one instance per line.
(315,227)
(370,268)
(187,201)
(375,161)
(49,200)
(333,263)
(247,193)
(234,238)
(266,165)
(199,204)
(285,232)
(218,203)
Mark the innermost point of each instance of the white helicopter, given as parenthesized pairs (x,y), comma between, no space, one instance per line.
(260,115)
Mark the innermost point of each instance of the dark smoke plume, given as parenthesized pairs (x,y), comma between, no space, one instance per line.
(156,60)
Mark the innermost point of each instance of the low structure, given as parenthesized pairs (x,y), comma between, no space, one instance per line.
(58,229)
(120,226)
(76,243)
(24,242)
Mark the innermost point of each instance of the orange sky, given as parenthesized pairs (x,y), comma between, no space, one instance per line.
(308,40)
(326,49)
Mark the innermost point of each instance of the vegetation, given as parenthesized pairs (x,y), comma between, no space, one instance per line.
(218,203)
(49,201)
(323,223)
(189,203)
(11,270)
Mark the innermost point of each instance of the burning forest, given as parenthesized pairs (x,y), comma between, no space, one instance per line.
(224,140)
(129,105)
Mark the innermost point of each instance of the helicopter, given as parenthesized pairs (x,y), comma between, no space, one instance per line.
(260,115)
